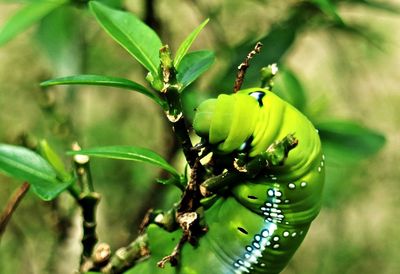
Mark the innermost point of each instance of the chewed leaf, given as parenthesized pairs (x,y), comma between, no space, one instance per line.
(23,164)
(129,153)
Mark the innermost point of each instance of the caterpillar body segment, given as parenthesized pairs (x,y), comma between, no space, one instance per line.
(257,226)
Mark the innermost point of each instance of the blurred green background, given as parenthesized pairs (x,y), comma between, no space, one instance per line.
(347,71)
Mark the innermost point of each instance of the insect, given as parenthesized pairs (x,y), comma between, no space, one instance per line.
(259,224)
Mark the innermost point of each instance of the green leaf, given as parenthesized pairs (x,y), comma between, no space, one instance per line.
(114,4)
(193,65)
(180,182)
(131,33)
(173,181)
(329,9)
(346,142)
(289,88)
(100,80)
(129,153)
(26,17)
(184,47)
(23,164)
(48,153)
(59,35)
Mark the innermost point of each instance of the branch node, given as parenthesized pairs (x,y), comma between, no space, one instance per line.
(101,254)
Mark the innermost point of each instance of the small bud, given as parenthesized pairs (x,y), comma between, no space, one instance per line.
(101,254)
(79,158)
(267,74)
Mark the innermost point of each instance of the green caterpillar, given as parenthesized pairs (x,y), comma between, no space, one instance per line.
(260,224)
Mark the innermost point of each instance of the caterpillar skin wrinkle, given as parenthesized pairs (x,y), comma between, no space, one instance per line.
(258,227)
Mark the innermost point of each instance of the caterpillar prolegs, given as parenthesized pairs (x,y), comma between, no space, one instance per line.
(258,226)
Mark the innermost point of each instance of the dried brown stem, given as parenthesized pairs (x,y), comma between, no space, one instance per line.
(244,65)
(173,258)
(147,219)
(12,205)
(186,215)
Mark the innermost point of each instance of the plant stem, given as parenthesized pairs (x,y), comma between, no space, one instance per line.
(126,257)
(88,203)
(12,205)
(172,96)
(82,168)
(275,155)
(173,257)
(244,65)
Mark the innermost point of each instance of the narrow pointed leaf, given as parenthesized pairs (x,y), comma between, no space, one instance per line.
(129,153)
(100,80)
(26,17)
(131,33)
(184,47)
(48,153)
(193,65)
(23,164)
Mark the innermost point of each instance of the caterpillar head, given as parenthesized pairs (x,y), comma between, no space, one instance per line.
(230,120)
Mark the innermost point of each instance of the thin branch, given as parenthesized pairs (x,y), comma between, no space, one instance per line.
(88,204)
(82,168)
(126,257)
(88,201)
(174,256)
(12,205)
(174,113)
(275,155)
(244,65)
(186,215)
